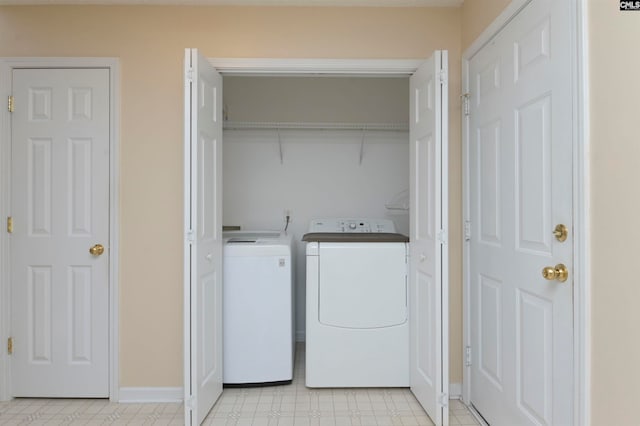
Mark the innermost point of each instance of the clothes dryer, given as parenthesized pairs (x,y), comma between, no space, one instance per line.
(357,329)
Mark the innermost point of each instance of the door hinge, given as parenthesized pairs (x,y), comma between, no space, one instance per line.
(467,230)
(442,236)
(467,356)
(10,103)
(443,399)
(10,345)
(465,103)
(443,77)
(188,402)
(10,224)
(190,75)
(190,236)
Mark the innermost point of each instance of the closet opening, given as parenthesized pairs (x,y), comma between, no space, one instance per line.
(337,144)
(311,147)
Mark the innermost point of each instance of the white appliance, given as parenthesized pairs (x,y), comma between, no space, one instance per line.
(258,340)
(357,331)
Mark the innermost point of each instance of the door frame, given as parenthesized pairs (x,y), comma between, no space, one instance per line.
(328,67)
(581,201)
(7,65)
(291,67)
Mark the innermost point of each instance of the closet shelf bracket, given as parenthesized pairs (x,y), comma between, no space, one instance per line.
(399,202)
(280,147)
(362,146)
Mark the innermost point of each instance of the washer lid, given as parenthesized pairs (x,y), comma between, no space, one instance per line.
(257,243)
(251,236)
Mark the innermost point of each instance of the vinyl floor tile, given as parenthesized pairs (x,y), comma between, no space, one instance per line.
(283,405)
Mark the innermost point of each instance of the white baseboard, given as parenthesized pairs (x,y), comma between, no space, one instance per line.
(455,390)
(142,395)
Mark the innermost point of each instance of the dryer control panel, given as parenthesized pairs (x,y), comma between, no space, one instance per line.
(352,225)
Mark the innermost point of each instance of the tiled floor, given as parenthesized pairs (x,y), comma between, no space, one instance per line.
(87,412)
(297,405)
(288,405)
(334,407)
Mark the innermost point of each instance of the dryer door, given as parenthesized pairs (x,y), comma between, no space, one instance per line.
(362,285)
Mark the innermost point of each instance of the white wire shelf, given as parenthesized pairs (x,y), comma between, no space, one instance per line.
(279,126)
(260,125)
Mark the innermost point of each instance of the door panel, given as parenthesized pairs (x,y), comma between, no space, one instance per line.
(203,244)
(60,208)
(534,356)
(520,161)
(533,176)
(490,329)
(490,220)
(425,164)
(425,294)
(428,284)
(79,186)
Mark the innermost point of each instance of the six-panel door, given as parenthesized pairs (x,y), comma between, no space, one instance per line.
(520,158)
(60,209)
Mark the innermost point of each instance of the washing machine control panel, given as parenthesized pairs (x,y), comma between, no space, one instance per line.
(352,225)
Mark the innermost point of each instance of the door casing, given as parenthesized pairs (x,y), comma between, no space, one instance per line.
(6,67)
(326,67)
(580,143)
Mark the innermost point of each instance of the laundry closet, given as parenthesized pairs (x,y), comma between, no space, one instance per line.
(310,147)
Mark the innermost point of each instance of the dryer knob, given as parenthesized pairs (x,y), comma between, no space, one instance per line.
(352,225)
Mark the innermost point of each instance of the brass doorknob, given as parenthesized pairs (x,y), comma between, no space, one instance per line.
(97,250)
(561,232)
(558,273)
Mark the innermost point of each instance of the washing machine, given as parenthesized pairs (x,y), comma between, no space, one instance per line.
(258,309)
(357,328)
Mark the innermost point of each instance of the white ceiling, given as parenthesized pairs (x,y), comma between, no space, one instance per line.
(364,3)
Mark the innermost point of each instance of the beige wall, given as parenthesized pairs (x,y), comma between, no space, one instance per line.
(476,16)
(150,42)
(614,66)
(317,99)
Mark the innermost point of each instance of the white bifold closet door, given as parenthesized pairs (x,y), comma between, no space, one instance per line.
(203,238)
(428,275)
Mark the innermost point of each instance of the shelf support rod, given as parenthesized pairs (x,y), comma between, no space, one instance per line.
(364,129)
(280,147)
